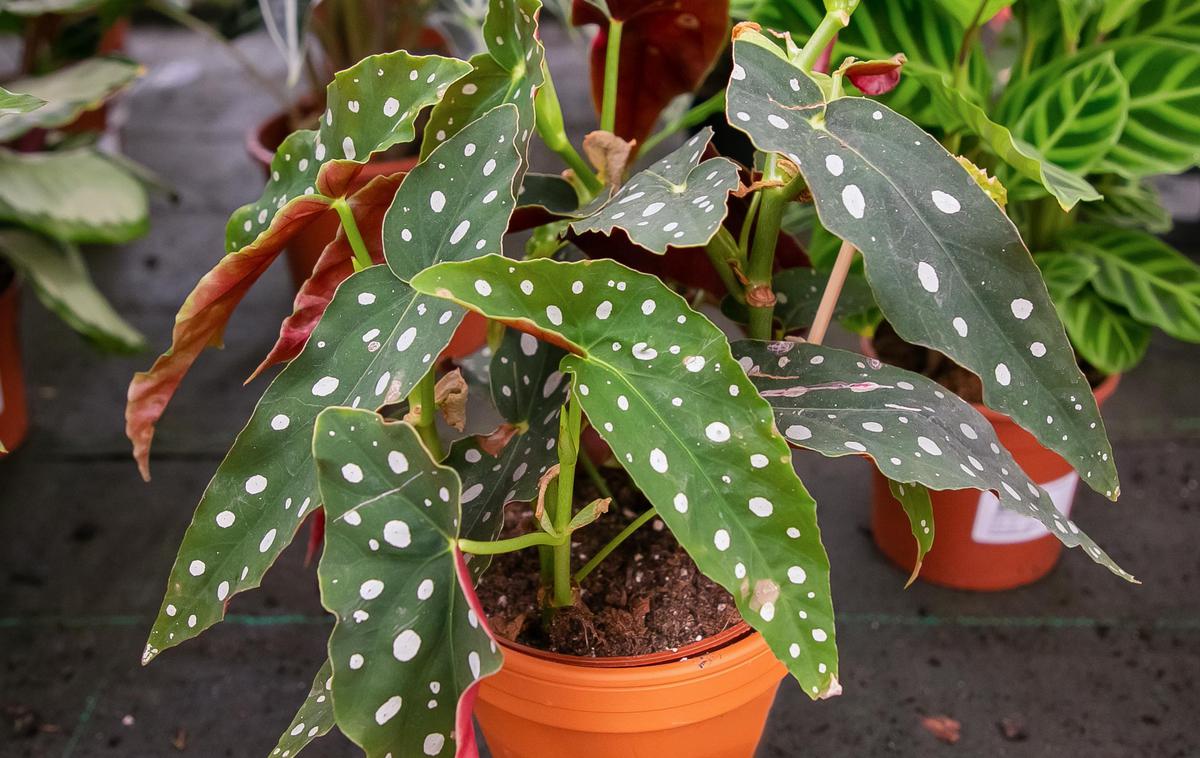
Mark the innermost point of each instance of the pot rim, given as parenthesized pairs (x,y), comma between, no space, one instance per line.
(1102,391)
(722,639)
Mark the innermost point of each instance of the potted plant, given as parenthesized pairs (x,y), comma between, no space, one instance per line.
(1072,111)
(696,430)
(57,192)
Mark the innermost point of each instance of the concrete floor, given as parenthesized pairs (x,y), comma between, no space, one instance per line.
(1081,661)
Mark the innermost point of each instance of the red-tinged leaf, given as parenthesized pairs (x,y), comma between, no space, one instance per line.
(875,77)
(201,322)
(667,48)
(335,264)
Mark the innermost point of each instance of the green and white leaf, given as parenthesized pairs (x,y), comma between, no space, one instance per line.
(375,341)
(456,203)
(841,403)
(962,114)
(1156,283)
(677,202)
(1065,274)
(528,390)
(947,267)
(1103,334)
(61,280)
(67,93)
(509,72)
(76,195)
(372,106)
(12,103)
(408,643)
(314,719)
(658,383)
(914,500)
(1162,135)
(1130,203)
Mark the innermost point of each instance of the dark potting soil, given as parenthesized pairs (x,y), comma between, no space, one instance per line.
(930,363)
(645,597)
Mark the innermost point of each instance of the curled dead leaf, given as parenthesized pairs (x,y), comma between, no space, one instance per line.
(450,396)
(609,154)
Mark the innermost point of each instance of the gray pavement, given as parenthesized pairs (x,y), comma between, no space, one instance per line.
(1082,662)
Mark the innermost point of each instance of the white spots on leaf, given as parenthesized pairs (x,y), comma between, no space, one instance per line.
(397,462)
(325,386)
(425,589)
(406,338)
(758,460)
(761,507)
(855,446)
(945,203)
(356,662)
(681,502)
(798,432)
(348,148)
(852,199)
(739,73)
(529,344)
(473,664)
(370,589)
(604,310)
(406,645)
(767,611)
(1037,349)
(256,484)
(483,287)
(694,363)
(222,591)
(834,164)
(960,326)
(928,277)
(225,519)
(777,121)
(648,306)
(968,431)
(872,426)
(391,107)
(1021,308)
(268,539)
(721,539)
(460,231)
(433,742)
(489,167)
(658,461)
(397,534)
(796,575)
(352,473)
(717,432)
(819,635)
(366,298)
(652,209)
(928,445)
(389,709)
(554,315)
(196,567)
(437,201)
(1002,374)
(472,492)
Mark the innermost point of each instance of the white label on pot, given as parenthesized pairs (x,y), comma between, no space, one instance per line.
(999,526)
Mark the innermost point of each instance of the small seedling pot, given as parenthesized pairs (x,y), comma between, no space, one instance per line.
(977,545)
(14,421)
(707,700)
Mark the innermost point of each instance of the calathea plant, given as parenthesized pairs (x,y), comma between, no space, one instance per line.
(701,426)
(1072,107)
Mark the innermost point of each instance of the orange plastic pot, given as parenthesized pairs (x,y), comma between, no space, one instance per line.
(977,545)
(709,700)
(14,420)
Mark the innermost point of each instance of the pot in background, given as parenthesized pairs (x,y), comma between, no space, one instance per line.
(708,700)
(977,545)
(14,421)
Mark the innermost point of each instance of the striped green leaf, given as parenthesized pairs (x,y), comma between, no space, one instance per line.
(961,114)
(840,403)
(968,11)
(1103,334)
(411,641)
(1072,114)
(375,341)
(1128,203)
(658,383)
(947,267)
(914,499)
(75,195)
(1177,20)
(1162,135)
(1157,284)
(1065,274)
(67,93)
(314,718)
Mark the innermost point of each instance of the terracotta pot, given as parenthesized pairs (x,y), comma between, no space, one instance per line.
(977,545)
(709,700)
(14,421)
(112,41)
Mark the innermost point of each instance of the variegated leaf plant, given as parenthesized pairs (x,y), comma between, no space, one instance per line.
(702,427)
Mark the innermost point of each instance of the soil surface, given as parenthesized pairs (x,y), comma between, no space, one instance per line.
(647,596)
(921,360)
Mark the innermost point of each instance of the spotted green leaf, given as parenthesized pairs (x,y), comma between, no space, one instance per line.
(658,383)
(411,641)
(66,93)
(914,499)
(528,390)
(961,113)
(375,341)
(677,202)
(509,71)
(840,403)
(12,103)
(75,195)
(1065,274)
(61,280)
(456,204)
(1162,134)
(314,719)
(1104,334)
(1073,114)
(947,267)
(1156,283)
(371,107)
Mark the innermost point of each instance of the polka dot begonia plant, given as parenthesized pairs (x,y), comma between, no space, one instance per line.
(703,427)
